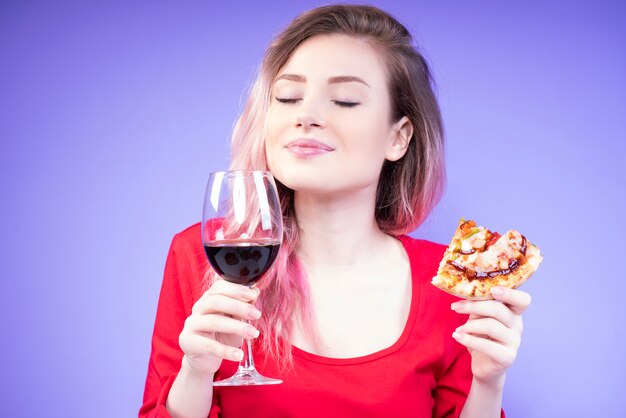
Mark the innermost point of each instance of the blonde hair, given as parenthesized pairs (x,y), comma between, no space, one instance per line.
(408,189)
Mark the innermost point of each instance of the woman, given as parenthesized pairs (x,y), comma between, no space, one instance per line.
(344,116)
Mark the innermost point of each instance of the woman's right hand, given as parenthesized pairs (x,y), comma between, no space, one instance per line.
(214,330)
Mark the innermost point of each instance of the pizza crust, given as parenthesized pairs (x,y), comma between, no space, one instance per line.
(455,282)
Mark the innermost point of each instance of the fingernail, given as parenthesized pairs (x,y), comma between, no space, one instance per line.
(457,335)
(237,354)
(252,332)
(457,305)
(255,313)
(497,291)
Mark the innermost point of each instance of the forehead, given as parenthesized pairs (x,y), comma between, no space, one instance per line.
(332,55)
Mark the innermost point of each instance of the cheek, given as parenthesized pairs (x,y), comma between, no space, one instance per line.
(368,147)
(369,137)
(275,124)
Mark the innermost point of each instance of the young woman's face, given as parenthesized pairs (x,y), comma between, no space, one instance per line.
(329,126)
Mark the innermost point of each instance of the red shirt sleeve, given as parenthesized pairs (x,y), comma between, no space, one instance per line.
(453,385)
(182,286)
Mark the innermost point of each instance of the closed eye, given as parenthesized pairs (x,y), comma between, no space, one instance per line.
(342,103)
(286,100)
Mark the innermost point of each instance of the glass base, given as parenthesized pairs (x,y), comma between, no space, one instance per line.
(247,378)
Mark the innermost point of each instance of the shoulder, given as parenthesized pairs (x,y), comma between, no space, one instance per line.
(190,235)
(187,260)
(424,247)
(187,242)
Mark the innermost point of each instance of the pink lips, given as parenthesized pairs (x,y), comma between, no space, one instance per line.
(305,147)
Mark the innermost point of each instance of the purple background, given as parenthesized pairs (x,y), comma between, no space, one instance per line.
(112,115)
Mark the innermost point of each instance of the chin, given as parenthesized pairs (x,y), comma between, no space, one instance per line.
(296,176)
(324,178)
(304,182)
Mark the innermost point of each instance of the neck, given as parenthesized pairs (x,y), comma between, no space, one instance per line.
(338,230)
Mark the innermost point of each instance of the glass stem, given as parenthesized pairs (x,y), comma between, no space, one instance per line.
(247,362)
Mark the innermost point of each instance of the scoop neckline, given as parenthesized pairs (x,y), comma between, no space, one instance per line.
(404,336)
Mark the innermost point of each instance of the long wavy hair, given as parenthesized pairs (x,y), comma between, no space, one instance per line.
(408,189)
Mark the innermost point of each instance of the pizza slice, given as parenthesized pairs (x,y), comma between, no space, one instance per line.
(479,259)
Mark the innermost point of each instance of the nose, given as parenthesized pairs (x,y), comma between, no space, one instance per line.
(309,117)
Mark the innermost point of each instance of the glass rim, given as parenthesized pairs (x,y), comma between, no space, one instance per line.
(228,173)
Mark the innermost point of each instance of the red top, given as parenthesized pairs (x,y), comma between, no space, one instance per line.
(426,373)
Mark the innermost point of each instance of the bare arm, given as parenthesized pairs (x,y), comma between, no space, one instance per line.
(191,394)
(483,401)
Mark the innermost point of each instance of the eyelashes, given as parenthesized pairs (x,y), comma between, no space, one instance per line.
(287,101)
(340,103)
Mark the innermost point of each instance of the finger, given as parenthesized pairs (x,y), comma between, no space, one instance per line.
(234,290)
(492,329)
(198,345)
(501,354)
(220,324)
(228,339)
(517,300)
(487,308)
(226,305)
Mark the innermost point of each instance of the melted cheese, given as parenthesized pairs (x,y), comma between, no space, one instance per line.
(496,257)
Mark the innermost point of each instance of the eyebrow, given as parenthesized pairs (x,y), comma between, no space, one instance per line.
(332,80)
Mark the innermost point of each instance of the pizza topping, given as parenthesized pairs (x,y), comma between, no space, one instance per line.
(466,227)
(524,242)
(492,239)
(473,274)
(473,241)
(475,230)
(485,254)
(466,247)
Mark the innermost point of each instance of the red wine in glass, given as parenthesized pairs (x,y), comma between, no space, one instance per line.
(241,262)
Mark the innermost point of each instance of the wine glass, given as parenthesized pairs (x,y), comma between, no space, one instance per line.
(242,231)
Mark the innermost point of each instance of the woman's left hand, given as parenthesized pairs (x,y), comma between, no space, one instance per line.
(493,332)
